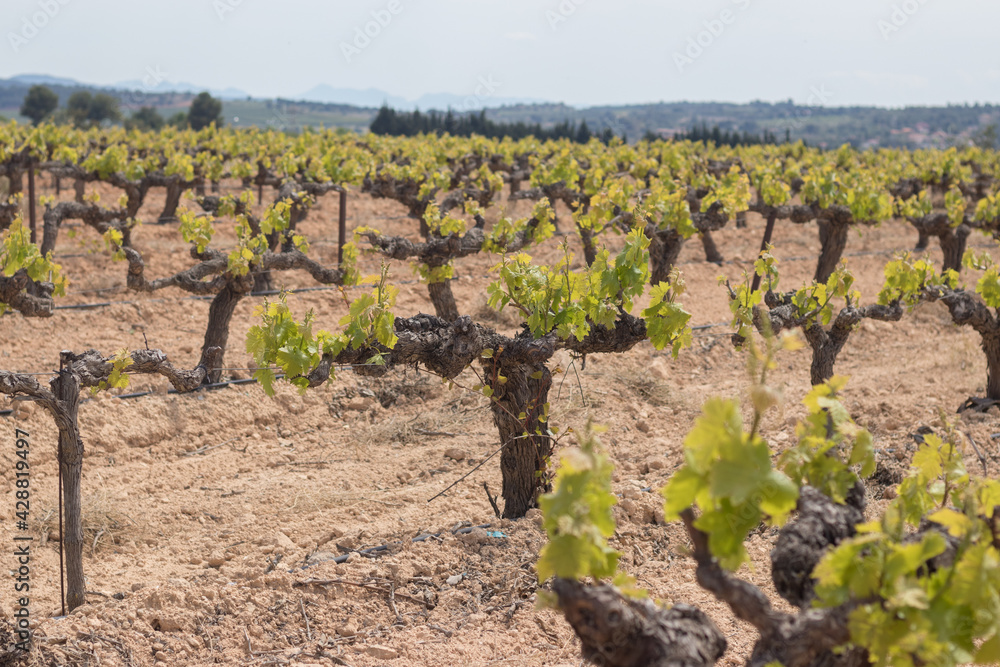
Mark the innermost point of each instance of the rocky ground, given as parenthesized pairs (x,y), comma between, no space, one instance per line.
(213,519)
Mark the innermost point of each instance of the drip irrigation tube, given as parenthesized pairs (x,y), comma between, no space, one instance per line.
(139,394)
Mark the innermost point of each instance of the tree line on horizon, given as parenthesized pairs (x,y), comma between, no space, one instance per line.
(731,138)
(84,110)
(391,122)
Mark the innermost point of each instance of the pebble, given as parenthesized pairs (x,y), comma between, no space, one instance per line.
(283,542)
(455,454)
(454,579)
(349,629)
(331,535)
(659,368)
(23,409)
(217,559)
(657,463)
(170,624)
(360,404)
(381,652)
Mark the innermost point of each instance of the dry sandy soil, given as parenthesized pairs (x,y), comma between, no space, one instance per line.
(207,515)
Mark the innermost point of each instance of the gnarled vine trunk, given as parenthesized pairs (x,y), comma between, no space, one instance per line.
(589,249)
(664,248)
(220,313)
(953,243)
(16,182)
(991,346)
(923,240)
(826,344)
(521,393)
(174,192)
(712,253)
(833,238)
(967,309)
(443,300)
(263,282)
(620,632)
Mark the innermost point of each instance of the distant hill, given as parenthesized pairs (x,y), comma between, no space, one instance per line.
(180,87)
(354,110)
(368,98)
(13,90)
(43,79)
(910,127)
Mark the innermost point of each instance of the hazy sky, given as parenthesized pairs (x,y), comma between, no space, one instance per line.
(833,52)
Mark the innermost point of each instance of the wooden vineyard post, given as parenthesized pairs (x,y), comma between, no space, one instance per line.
(341,227)
(66,388)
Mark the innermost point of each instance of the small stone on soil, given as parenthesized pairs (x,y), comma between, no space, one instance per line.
(382,652)
(657,463)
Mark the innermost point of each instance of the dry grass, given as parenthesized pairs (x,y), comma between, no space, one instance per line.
(631,382)
(657,393)
(105,522)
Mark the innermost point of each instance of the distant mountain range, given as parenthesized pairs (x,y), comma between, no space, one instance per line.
(130,85)
(371,98)
(43,79)
(374,98)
